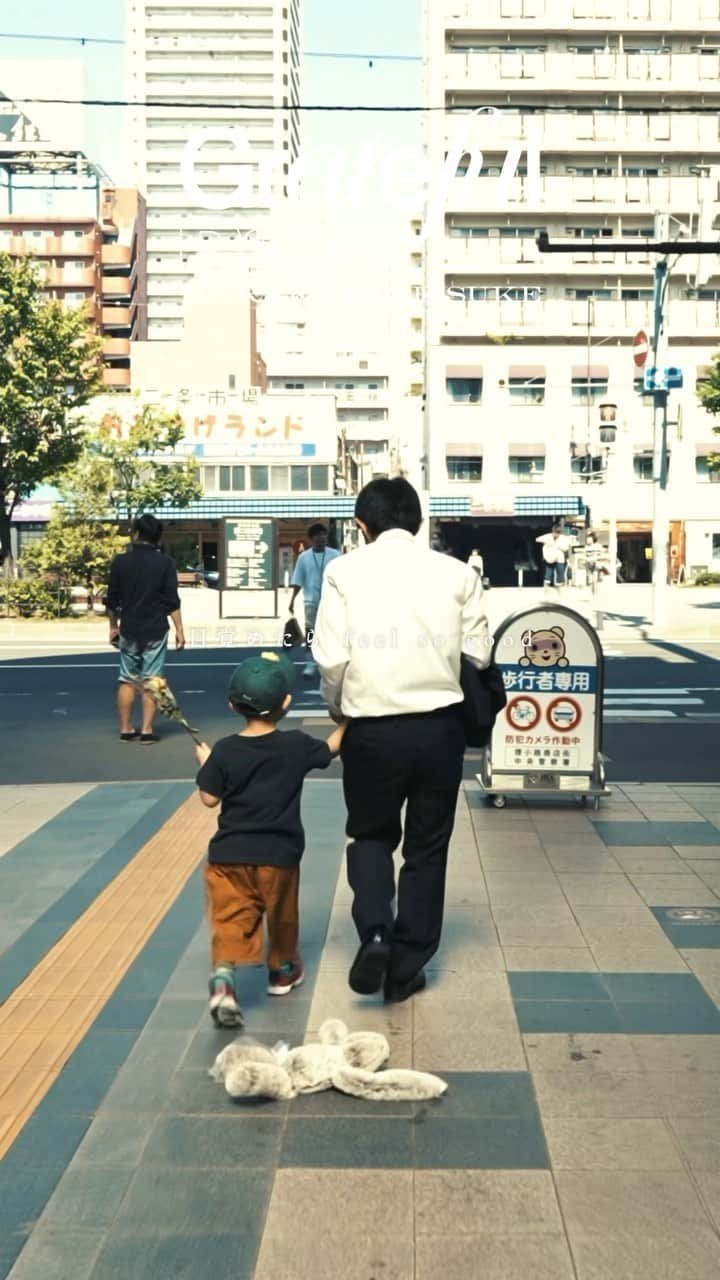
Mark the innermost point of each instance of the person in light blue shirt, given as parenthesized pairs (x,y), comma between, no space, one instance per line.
(308,578)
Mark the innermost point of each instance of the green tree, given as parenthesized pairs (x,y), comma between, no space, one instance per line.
(709,397)
(49,368)
(140,464)
(75,552)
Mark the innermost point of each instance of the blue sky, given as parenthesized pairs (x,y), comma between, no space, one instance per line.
(375,26)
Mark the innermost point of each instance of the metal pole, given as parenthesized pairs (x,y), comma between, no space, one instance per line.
(659,524)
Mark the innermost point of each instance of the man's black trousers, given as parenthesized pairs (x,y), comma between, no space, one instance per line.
(387,761)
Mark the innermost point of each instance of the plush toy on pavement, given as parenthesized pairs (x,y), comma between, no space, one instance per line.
(343,1060)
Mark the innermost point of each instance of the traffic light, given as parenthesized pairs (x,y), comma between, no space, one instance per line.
(608,423)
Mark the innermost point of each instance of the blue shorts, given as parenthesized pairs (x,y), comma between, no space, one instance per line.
(139,661)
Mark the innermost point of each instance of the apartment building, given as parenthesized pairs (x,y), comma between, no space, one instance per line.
(346,321)
(94,263)
(193,62)
(620,98)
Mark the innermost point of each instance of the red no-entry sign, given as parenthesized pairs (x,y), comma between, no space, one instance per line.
(641,346)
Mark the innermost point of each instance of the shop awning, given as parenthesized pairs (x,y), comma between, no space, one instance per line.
(526,450)
(526,371)
(587,371)
(703,372)
(462,449)
(464,371)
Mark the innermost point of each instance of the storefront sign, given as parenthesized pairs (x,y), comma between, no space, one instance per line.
(249,555)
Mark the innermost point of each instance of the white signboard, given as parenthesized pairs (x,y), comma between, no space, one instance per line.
(551,670)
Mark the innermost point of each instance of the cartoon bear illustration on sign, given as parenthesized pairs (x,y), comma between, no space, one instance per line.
(544,649)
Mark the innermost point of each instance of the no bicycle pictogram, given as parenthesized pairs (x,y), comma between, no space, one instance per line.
(564,714)
(523,713)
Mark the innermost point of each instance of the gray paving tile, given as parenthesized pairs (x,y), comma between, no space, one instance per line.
(568,1016)
(613,1145)
(634,1256)
(208,1142)
(699,1141)
(596,1094)
(598,1203)
(558,986)
(228,1256)
(87,1197)
(670,1019)
(114,1139)
(687,934)
(657,833)
(497,1257)
(548,959)
(57,1254)
(344,1142)
(167,1202)
(582,1052)
(482,1093)
(337,1223)
(479,1202)
(512,1142)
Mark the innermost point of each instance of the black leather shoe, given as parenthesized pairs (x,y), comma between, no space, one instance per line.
(368,968)
(396,992)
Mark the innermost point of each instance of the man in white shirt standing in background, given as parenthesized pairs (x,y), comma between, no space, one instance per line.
(392,624)
(308,577)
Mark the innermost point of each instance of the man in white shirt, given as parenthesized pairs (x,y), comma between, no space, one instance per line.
(393,621)
(308,577)
(554,548)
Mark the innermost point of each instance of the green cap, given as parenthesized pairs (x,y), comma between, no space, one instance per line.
(261,685)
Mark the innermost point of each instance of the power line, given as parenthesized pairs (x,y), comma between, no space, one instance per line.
(532,108)
(23,35)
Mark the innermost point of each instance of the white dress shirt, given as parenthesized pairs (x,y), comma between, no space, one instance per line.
(393,620)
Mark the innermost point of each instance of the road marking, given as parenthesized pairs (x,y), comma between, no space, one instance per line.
(15,695)
(649,702)
(625,713)
(184,691)
(622,690)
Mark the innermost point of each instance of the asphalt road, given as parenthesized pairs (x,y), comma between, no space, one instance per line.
(58,722)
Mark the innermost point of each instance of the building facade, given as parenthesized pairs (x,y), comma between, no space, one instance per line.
(192,62)
(592,117)
(93,263)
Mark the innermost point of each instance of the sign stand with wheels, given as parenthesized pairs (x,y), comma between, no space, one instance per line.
(548,739)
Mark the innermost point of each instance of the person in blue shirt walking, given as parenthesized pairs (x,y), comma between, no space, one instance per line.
(308,578)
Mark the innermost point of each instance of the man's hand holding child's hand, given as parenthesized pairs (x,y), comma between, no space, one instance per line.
(202,753)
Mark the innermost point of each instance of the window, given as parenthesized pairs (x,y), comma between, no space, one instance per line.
(232,479)
(643,465)
(703,472)
(589,388)
(716,546)
(636,295)
(465,470)
(231,382)
(210,479)
(527,390)
(294,386)
(464,390)
(526,468)
(581,295)
(299,479)
(589,233)
(260,479)
(279,479)
(318,479)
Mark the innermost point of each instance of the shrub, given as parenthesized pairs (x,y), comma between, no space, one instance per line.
(34,598)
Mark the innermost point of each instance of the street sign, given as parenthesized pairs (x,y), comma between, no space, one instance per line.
(249,559)
(549,737)
(641,347)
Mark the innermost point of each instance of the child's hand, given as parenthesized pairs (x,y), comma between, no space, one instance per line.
(202,753)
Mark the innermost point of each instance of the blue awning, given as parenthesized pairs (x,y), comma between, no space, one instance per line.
(550,505)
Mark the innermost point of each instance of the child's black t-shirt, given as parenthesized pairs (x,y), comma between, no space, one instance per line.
(259,781)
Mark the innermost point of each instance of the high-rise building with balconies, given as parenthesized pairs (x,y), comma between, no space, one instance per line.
(620,99)
(196,66)
(94,263)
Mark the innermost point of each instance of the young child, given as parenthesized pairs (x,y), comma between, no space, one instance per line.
(253,868)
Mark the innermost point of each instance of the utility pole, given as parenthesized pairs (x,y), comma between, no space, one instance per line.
(664,247)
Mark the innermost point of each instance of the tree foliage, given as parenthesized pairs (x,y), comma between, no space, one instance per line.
(140,465)
(75,552)
(49,369)
(709,397)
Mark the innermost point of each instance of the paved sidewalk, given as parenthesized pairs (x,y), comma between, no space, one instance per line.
(573,1010)
(692,614)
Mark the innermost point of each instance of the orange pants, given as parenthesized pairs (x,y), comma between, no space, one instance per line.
(238,899)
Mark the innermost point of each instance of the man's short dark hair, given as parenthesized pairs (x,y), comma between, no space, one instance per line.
(316,529)
(389,504)
(148,529)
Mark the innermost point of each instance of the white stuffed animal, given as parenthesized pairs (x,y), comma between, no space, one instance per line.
(342,1060)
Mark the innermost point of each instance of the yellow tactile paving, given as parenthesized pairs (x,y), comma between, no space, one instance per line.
(45,1019)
